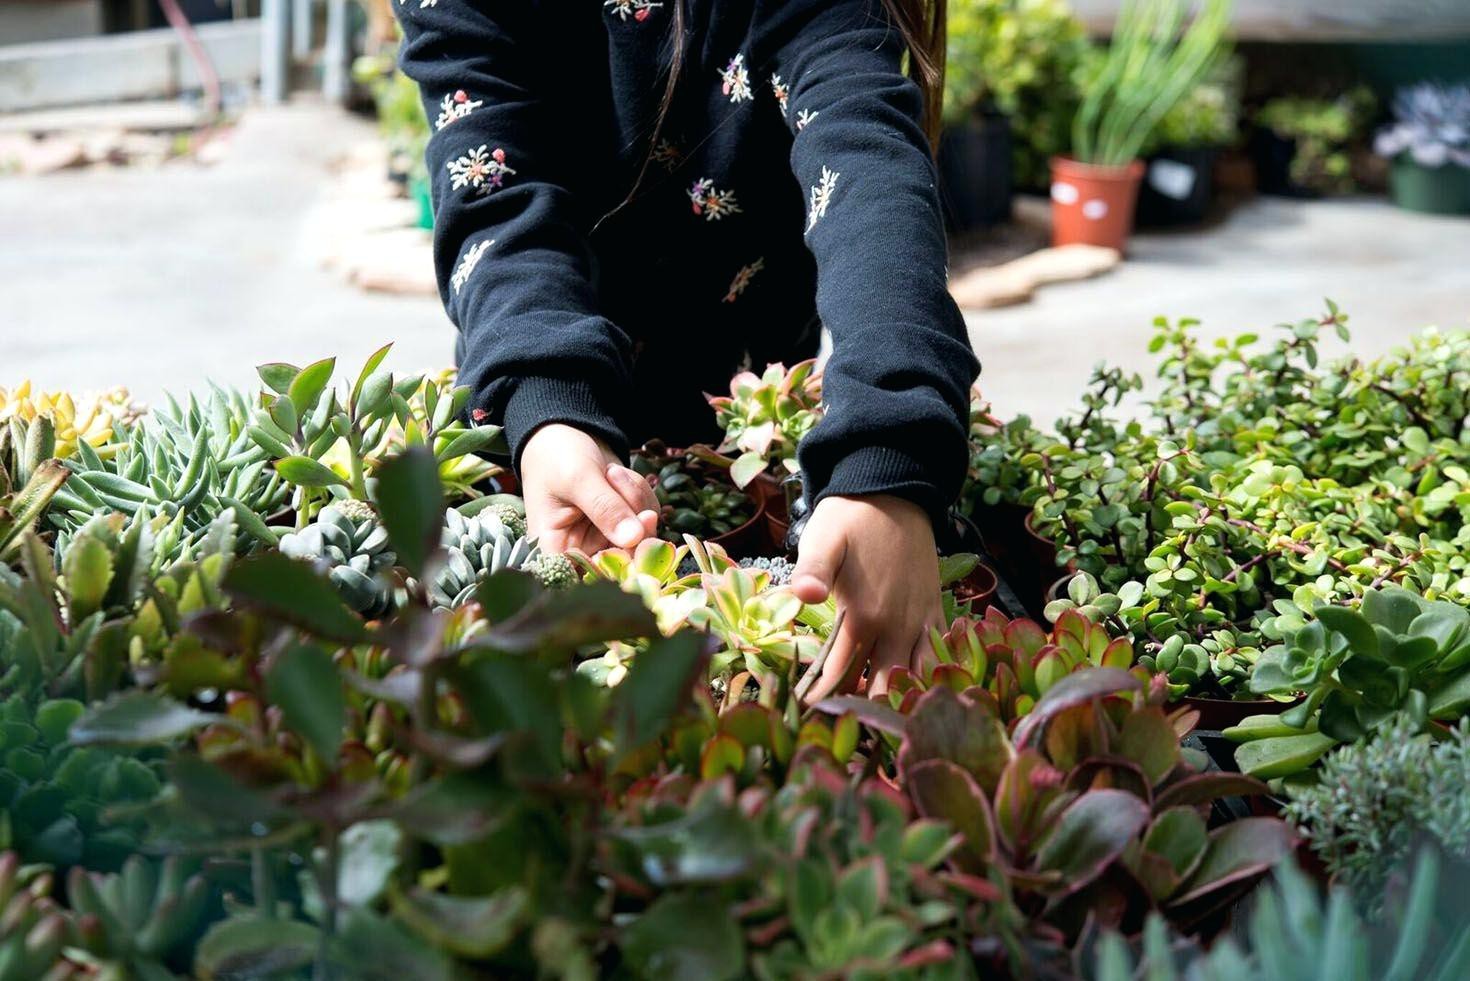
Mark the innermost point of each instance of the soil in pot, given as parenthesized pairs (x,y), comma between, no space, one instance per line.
(1093,205)
(1177,187)
(974,165)
(977,589)
(1443,190)
(697,498)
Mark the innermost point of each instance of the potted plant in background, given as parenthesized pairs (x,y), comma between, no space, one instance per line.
(1302,147)
(1009,96)
(1177,187)
(1428,145)
(1148,69)
(403,124)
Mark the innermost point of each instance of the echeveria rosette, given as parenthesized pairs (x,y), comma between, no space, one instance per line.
(1431,124)
(1398,653)
(765,417)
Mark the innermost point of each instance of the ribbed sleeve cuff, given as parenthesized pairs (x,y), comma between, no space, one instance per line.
(539,400)
(885,470)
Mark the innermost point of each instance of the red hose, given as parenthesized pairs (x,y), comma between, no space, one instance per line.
(207,74)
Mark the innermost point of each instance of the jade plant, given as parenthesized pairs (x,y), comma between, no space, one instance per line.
(1087,814)
(1358,669)
(1014,663)
(695,497)
(765,417)
(34,929)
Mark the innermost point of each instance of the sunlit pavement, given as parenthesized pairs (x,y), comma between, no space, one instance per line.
(163,278)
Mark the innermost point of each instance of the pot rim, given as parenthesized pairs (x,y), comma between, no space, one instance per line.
(1127,173)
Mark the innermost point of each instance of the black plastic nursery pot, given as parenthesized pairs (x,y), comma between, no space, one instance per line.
(974,164)
(1272,156)
(1442,190)
(1177,187)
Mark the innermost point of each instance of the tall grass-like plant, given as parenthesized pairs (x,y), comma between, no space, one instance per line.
(1145,74)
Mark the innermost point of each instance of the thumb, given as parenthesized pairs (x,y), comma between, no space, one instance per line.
(819,556)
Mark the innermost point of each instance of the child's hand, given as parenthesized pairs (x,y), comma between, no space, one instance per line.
(579,496)
(877,555)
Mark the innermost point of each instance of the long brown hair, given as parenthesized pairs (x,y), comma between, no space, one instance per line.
(923,24)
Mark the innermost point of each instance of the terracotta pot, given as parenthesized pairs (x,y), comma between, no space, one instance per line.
(1093,205)
(977,589)
(778,514)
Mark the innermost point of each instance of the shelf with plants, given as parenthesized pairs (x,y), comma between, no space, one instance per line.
(290,692)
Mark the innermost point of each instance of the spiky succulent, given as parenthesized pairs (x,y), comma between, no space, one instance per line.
(354,550)
(192,464)
(553,571)
(475,547)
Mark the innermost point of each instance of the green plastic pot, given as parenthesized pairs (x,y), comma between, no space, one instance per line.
(418,189)
(1443,190)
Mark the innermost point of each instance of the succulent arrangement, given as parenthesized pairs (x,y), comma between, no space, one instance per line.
(289,692)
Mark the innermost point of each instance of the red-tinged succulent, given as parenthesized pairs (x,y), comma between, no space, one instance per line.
(765,416)
(1089,810)
(1010,664)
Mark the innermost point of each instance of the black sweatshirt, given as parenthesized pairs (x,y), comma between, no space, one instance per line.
(604,270)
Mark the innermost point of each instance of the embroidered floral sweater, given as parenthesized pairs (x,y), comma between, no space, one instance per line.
(605,271)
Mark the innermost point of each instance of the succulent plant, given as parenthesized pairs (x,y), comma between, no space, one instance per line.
(1396,653)
(765,417)
(1013,663)
(33,928)
(1324,132)
(437,416)
(1431,123)
(95,420)
(1376,800)
(778,568)
(694,496)
(552,571)
(1093,779)
(54,795)
(21,506)
(189,465)
(1292,935)
(142,917)
(667,577)
(352,546)
(475,548)
(755,621)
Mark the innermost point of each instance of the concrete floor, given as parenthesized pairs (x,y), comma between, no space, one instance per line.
(160,279)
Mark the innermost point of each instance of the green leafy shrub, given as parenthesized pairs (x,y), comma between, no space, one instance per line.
(1325,132)
(1018,57)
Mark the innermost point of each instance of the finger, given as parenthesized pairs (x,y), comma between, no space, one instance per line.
(892,651)
(819,556)
(605,508)
(843,668)
(633,488)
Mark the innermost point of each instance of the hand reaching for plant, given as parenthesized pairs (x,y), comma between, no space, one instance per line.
(579,496)
(876,555)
